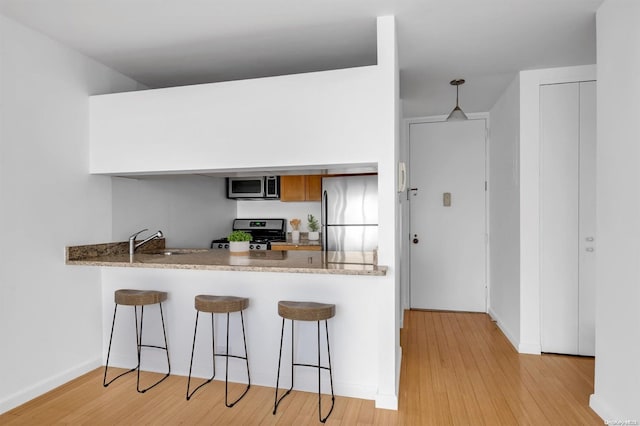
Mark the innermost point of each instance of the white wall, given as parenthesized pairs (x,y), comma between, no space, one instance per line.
(504,212)
(385,147)
(278,209)
(617,394)
(50,321)
(190,210)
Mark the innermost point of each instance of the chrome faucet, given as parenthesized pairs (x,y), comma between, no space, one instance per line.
(132,240)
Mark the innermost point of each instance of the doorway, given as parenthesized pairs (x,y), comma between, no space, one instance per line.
(448,231)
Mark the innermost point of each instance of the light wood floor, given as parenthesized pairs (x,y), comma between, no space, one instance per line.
(457,368)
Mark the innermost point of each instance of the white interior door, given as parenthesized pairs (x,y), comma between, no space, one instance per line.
(587,262)
(567,217)
(448,242)
(559,196)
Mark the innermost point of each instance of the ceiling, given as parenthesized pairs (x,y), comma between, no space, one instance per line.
(163,43)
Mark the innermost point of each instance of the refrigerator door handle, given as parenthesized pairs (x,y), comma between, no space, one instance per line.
(323,220)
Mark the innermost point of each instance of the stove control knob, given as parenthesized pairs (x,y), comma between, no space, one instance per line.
(219,246)
(250,246)
(226,246)
(258,247)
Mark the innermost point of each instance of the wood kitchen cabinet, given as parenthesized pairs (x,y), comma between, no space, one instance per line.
(301,188)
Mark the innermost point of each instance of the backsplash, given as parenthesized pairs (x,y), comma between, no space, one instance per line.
(277,209)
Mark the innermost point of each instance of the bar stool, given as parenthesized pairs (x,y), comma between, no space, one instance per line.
(137,298)
(306,311)
(220,305)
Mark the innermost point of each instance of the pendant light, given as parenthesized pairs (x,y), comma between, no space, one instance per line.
(457,113)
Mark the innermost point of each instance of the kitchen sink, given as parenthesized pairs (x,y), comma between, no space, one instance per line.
(177,251)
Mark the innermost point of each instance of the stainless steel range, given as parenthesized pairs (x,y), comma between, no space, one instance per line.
(263,232)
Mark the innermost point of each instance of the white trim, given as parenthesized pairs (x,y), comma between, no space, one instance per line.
(487,206)
(530,348)
(522,348)
(601,408)
(386,402)
(390,402)
(407,122)
(514,342)
(47,384)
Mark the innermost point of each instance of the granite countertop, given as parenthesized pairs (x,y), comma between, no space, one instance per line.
(157,256)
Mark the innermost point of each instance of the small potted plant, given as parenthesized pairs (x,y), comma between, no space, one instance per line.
(313,226)
(239,243)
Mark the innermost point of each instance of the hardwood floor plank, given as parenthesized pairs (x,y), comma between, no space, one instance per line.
(457,369)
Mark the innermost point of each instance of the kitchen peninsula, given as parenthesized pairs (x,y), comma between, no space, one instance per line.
(158,256)
(348,120)
(357,289)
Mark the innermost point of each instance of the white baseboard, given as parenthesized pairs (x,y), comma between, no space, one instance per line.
(530,348)
(521,347)
(601,408)
(35,390)
(514,342)
(387,402)
(390,402)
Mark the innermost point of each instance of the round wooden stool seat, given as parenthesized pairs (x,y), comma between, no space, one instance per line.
(306,311)
(220,304)
(139,297)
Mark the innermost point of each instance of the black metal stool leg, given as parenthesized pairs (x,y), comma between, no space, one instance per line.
(193,348)
(140,346)
(138,341)
(227,356)
(106,367)
(213,345)
(246,354)
(277,401)
(322,420)
(213,348)
(104,383)
(166,343)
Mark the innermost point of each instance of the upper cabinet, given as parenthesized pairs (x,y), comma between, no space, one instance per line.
(301,188)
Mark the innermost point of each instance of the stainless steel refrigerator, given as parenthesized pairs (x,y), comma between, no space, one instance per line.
(350,213)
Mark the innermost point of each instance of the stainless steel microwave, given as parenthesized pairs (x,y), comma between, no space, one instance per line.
(258,187)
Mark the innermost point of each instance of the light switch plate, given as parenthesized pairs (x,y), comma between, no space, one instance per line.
(446,199)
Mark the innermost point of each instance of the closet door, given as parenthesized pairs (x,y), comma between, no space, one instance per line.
(587,267)
(567,217)
(559,231)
